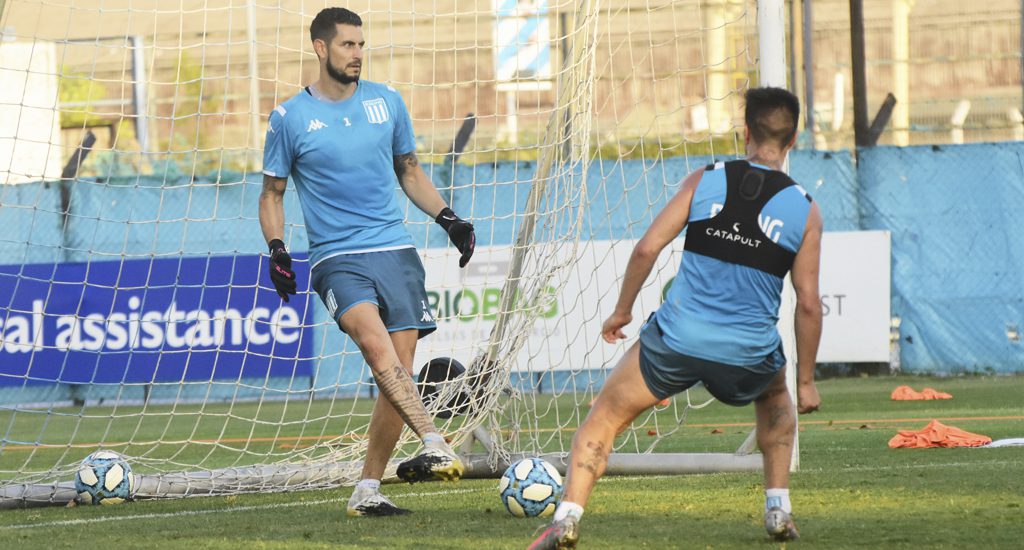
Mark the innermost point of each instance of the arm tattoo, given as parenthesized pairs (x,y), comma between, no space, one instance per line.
(273,186)
(404,163)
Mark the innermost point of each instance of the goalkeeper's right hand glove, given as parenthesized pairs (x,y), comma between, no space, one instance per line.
(281,272)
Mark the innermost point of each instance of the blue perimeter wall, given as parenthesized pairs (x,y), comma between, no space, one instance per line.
(954,214)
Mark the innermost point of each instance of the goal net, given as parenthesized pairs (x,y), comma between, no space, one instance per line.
(136,314)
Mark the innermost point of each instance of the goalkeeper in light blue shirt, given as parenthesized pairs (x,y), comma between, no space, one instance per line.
(343,142)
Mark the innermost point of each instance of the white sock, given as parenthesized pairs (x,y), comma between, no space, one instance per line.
(367,486)
(777,498)
(566,509)
(434,440)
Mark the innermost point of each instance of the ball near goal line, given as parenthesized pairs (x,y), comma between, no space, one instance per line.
(530,488)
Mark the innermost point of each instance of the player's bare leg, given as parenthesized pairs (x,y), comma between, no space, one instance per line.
(363,324)
(384,430)
(776,427)
(385,423)
(623,397)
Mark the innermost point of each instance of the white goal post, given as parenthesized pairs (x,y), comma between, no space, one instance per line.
(135,314)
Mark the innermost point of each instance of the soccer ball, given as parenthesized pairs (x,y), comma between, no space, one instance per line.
(530,488)
(104,477)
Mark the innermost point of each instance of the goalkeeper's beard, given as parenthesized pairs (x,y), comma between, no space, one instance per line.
(339,76)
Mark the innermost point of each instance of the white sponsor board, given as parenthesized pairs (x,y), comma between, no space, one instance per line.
(854,288)
(567,334)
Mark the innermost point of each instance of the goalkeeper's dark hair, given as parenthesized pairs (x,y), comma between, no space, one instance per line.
(772,115)
(324,25)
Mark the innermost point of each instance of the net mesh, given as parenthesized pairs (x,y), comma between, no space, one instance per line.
(136,313)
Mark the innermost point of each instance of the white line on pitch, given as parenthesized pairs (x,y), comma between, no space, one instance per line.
(913,466)
(187,513)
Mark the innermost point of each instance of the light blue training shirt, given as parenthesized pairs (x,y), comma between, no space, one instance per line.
(341,157)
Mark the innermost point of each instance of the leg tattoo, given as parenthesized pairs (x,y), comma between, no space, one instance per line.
(595,458)
(777,415)
(398,387)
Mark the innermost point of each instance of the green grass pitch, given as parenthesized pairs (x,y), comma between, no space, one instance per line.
(852,491)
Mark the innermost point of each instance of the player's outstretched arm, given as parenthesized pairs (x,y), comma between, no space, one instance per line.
(272,223)
(667,226)
(807,321)
(421,191)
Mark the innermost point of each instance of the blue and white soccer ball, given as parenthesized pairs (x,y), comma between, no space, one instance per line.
(104,477)
(530,488)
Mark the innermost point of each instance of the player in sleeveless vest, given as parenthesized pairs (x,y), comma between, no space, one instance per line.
(747,226)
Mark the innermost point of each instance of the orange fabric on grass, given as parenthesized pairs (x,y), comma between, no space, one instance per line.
(906,393)
(937,434)
(929,393)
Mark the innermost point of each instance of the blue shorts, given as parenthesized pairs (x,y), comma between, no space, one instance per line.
(667,372)
(391,279)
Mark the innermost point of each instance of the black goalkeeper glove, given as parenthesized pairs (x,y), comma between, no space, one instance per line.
(281,269)
(460,232)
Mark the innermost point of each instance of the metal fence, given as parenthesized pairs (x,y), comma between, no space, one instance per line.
(962,67)
(962,58)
